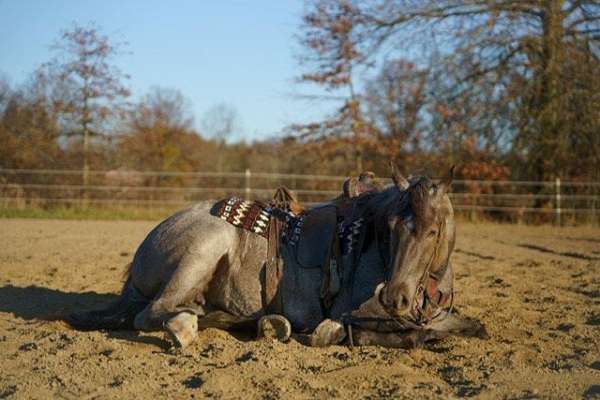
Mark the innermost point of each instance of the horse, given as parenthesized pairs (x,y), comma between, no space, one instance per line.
(393,288)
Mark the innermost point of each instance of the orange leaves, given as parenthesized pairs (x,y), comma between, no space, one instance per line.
(444,111)
(480,164)
(328,39)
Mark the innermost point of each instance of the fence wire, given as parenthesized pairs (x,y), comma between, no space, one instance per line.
(503,200)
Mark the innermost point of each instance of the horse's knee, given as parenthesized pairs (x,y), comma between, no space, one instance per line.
(140,322)
(151,318)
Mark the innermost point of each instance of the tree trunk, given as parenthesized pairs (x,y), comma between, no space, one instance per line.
(357,128)
(551,149)
(85,118)
(86,145)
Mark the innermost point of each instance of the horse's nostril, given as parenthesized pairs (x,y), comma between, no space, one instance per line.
(404,302)
(395,299)
(401,303)
(401,298)
(398,304)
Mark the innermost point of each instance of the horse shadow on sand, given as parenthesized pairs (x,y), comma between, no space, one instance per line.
(42,303)
(38,303)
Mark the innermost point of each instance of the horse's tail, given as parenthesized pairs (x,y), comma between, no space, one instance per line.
(118,315)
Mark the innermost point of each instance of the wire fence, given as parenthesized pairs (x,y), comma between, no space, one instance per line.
(515,201)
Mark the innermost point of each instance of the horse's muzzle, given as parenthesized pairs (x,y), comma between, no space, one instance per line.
(394,301)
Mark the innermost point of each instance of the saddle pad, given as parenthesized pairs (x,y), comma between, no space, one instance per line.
(251,216)
(310,233)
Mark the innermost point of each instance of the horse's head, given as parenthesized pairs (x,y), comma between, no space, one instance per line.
(421,238)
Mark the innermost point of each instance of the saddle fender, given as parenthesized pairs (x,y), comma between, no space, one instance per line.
(318,232)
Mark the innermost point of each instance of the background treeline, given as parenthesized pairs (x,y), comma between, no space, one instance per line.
(154,134)
(505,89)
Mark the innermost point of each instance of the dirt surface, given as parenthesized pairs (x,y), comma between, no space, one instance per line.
(537,290)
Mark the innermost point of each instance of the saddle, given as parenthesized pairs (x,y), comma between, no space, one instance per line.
(319,237)
(333,231)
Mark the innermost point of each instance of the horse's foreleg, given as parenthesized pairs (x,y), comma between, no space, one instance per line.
(454,324)
(181,326)
(409,340)
(177,306)
(450,325)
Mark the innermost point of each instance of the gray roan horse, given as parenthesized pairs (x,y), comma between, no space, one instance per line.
(391,284)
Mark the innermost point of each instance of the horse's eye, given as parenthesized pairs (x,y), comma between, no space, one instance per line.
(432,232)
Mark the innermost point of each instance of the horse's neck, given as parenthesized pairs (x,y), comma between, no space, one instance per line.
(364,276)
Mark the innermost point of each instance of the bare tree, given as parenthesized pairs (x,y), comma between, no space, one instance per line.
(5,92)
(220,122)
(328,37)
(158,134)
(528,59)
(394,100)
(162,106)
(502,42)
(87,87)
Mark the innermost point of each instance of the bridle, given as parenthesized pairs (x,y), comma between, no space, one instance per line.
(418,307)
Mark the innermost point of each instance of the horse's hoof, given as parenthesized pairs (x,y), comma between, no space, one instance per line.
(328,333)
(182,329)
(274,327)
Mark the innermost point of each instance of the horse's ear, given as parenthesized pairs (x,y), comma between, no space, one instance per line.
(399,180)
(446,182)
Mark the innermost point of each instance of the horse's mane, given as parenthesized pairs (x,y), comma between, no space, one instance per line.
(391,200)
(395,201)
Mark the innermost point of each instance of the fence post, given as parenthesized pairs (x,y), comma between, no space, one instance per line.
(247,191)
(557,202)
(594,205)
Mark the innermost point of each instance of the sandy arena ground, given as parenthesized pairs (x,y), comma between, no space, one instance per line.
(537,289)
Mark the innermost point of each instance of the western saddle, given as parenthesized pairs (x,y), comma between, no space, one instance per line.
(322,236)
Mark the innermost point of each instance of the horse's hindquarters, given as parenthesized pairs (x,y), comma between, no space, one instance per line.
(189,253)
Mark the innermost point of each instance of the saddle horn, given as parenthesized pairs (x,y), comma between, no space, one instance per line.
(399,180)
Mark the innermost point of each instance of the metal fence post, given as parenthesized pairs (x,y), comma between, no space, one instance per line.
(247,191)
(557,203)
(594,205)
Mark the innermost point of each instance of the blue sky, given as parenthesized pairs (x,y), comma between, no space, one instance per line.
(236,51)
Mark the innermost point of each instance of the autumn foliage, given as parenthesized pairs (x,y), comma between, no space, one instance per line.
(502,89)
